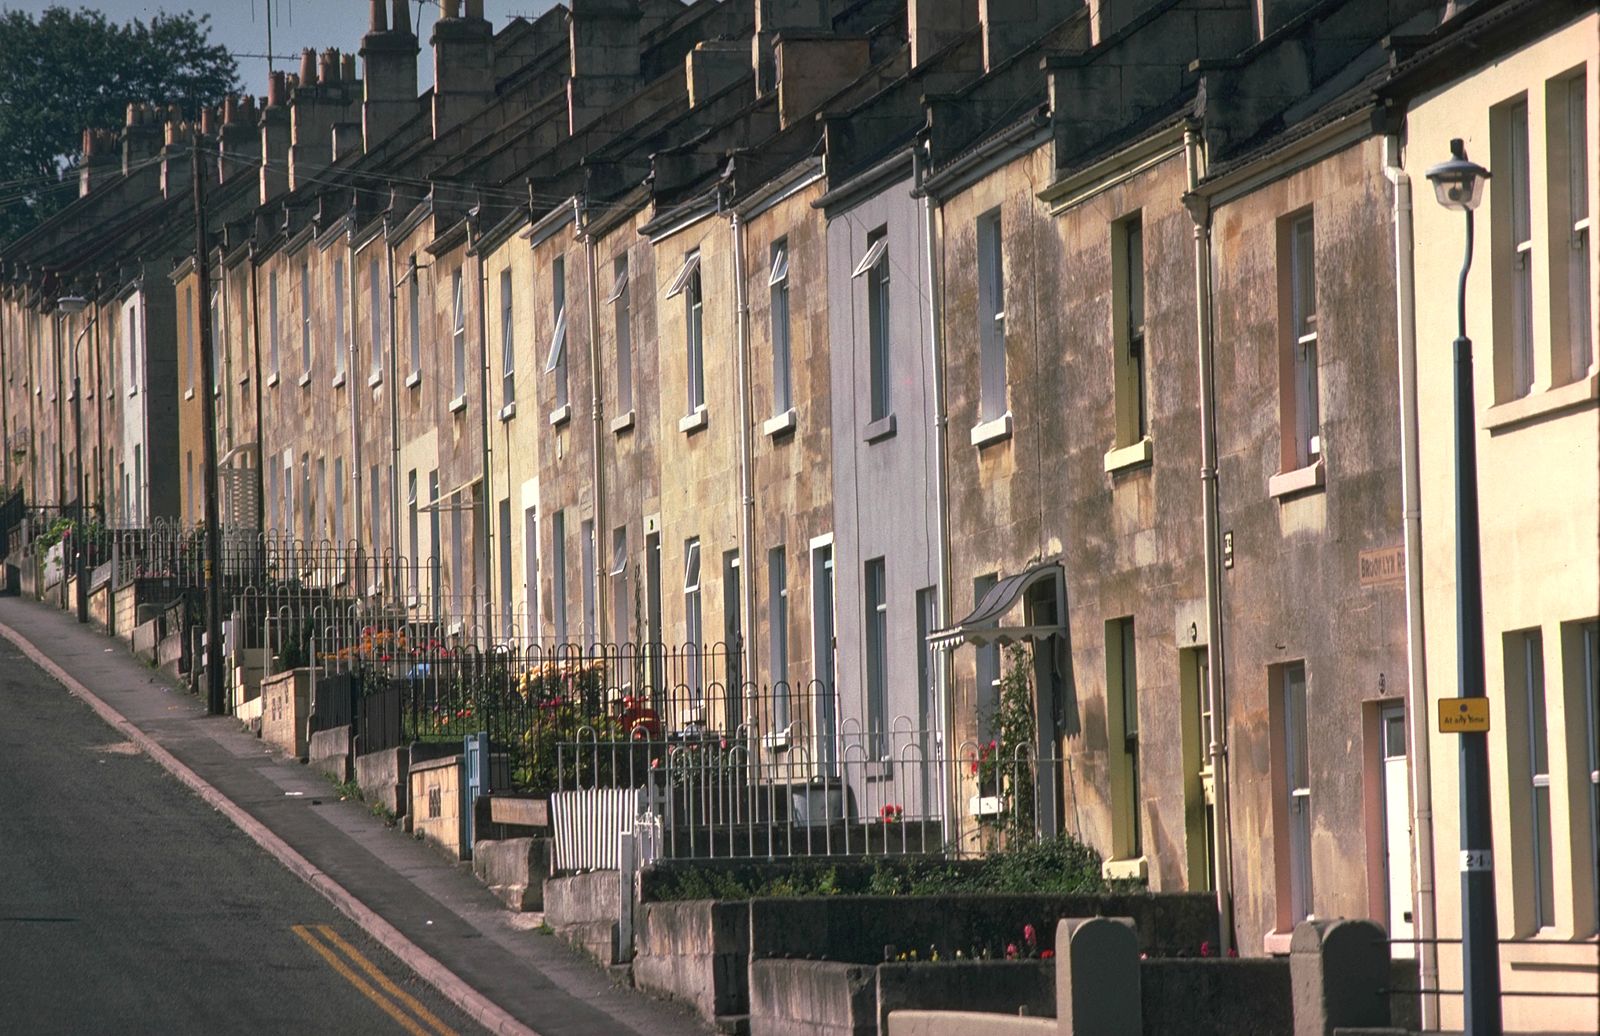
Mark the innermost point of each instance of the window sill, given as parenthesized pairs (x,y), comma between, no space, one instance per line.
(688,424)
(131,392)
(776,740)
(188,393)
(338,380)
(508,411)
(375,379)
(561,415)
(413,379)
(1300,480)
(1135,869)
(1276,944)
(244,379)
(458,404)
(987,433)
(1133,455)
(305,379)
(1539,405)
(779,424)
(882,428)
(272,380)
(622,423)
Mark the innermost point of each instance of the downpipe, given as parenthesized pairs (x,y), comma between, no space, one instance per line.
(1216,684)
(747,500)
(1418,745)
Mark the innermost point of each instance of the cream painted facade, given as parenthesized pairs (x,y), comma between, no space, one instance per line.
(1539,485)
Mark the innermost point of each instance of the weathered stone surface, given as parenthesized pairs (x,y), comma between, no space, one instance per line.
(696,951)
(1339,971)
(285,706)
(514,869)
(812,998)
(382,778)
(328,753)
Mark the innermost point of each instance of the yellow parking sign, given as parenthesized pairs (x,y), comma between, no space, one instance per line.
(1463,715)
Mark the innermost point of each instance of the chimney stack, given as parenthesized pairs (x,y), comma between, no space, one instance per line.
(604,45)
(389,60)
(239,141)
(712,66)
(322,99)
(774,17)
(935,24)
(100,159)
(141,137)
(463,64)
(177,133)
(1009,26)
(812,68)
(275,134)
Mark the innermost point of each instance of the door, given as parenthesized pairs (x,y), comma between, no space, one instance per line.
(1397,829)
(822,646)
(1299,788)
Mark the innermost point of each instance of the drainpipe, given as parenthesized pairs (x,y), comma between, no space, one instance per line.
(257,376)
(6,308)
(474,238)
(941,535)
(101,364)
(395,388)
(353,379)
(1416,649)
(1216,684)
(580,221)
(747,505)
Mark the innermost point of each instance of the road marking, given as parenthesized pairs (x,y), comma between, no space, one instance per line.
(388,1006)
(384,982)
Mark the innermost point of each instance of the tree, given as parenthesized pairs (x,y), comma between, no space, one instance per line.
(69,71)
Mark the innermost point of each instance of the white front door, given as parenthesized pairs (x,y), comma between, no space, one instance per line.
(1397,830)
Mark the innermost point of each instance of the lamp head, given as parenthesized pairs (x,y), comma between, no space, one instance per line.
(1458,183)
(72,304)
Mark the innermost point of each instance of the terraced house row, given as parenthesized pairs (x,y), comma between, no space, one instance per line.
(873,338)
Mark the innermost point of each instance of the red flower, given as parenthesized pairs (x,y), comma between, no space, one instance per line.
(1030,936)
(1047,954)
(1206,949)
(1011,951)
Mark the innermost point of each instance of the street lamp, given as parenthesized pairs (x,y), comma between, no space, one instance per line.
(1458,185)
(72,305)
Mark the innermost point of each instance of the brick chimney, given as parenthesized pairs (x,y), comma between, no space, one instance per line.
(100,159)
(239,139)
(389,59)
(935,24)
(463,63)
(811,68)
(603,40)
(274,147)
(1009,26)
(774,17)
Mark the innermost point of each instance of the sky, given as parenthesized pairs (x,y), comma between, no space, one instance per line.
(241,26)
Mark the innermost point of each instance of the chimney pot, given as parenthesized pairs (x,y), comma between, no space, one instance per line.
(474,8)
(402,16)
(308,66)
(347,68)
(379,19)
(450,9)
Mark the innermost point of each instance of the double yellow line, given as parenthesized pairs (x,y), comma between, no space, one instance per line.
(404,1008)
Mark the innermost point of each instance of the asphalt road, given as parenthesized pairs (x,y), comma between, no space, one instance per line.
(128,906)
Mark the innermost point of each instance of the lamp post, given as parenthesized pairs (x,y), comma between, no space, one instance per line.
(76,304)
(1458,184)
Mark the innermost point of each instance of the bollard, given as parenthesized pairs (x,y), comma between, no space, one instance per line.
(1339,976)
(1097,977)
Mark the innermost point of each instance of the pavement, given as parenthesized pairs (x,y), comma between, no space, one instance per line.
(424,910)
